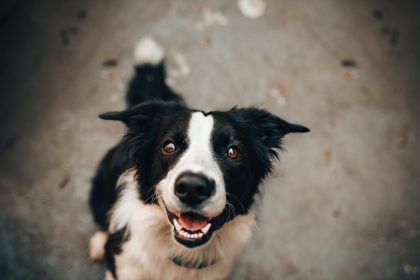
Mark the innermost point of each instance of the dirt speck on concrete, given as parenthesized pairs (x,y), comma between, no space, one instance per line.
(64,181)
(348,62)
(111,62)
(81,14)
(377,14)
(337,213)
(403,137)
(327,156)
(205,41)
(279,93)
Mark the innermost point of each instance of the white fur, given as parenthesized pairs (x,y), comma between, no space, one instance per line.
(147,51)
(108,276)
(198,158)
(97,245)
(147,253)
(126,204)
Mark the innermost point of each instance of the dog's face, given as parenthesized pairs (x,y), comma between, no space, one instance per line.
(202,168)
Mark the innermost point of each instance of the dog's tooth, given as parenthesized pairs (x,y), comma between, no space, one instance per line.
(206,228)
(200,234)
(178,227)
(195,235)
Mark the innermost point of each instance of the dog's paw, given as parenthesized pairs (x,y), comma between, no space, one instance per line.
(97,245)
(108,275)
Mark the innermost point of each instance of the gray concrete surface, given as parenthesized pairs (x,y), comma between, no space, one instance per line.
(343,203)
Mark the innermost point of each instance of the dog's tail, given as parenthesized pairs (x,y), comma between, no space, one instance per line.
(148,82)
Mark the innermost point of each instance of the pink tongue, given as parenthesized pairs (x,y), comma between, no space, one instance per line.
(192,222)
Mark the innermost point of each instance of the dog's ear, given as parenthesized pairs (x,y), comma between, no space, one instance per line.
(114,116)
(144,113)
(268,128)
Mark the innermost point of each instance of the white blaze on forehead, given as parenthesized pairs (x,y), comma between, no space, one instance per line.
(198,158)
(199,136)
(199,155)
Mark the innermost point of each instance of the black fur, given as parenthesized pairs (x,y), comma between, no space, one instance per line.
(103,193)
(113,247)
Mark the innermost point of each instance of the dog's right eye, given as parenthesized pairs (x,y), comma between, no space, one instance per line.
(169,147)
(234,153)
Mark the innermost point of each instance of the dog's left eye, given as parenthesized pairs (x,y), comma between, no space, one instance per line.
(233,152)
(169,147)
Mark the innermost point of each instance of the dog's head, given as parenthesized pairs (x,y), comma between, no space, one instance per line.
(202,168)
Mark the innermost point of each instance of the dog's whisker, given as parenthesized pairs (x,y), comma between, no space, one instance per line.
(231,211)
(237,199)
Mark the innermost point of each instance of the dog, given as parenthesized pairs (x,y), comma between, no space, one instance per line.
(175,198)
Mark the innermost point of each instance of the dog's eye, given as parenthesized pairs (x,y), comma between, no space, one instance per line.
(169,147)
(233,152)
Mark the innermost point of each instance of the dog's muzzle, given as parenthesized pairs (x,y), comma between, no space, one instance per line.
(192,227)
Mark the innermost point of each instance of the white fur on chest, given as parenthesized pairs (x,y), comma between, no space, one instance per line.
(150,246)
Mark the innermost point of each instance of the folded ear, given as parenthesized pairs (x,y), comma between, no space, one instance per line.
(114,116)
(143,112)
(269,128)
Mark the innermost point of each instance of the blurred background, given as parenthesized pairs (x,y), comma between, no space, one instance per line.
(344,203)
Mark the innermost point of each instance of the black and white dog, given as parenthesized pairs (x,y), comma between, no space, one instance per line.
(174,199)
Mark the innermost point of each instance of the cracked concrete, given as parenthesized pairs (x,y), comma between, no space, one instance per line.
(343,203)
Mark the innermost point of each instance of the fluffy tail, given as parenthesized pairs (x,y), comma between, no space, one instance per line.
(148,82)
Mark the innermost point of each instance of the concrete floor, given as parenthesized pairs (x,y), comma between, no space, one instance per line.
(343,203)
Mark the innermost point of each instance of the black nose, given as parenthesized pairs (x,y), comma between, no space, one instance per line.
(192,189)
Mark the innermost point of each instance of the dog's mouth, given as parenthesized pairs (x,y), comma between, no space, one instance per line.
(193,230)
